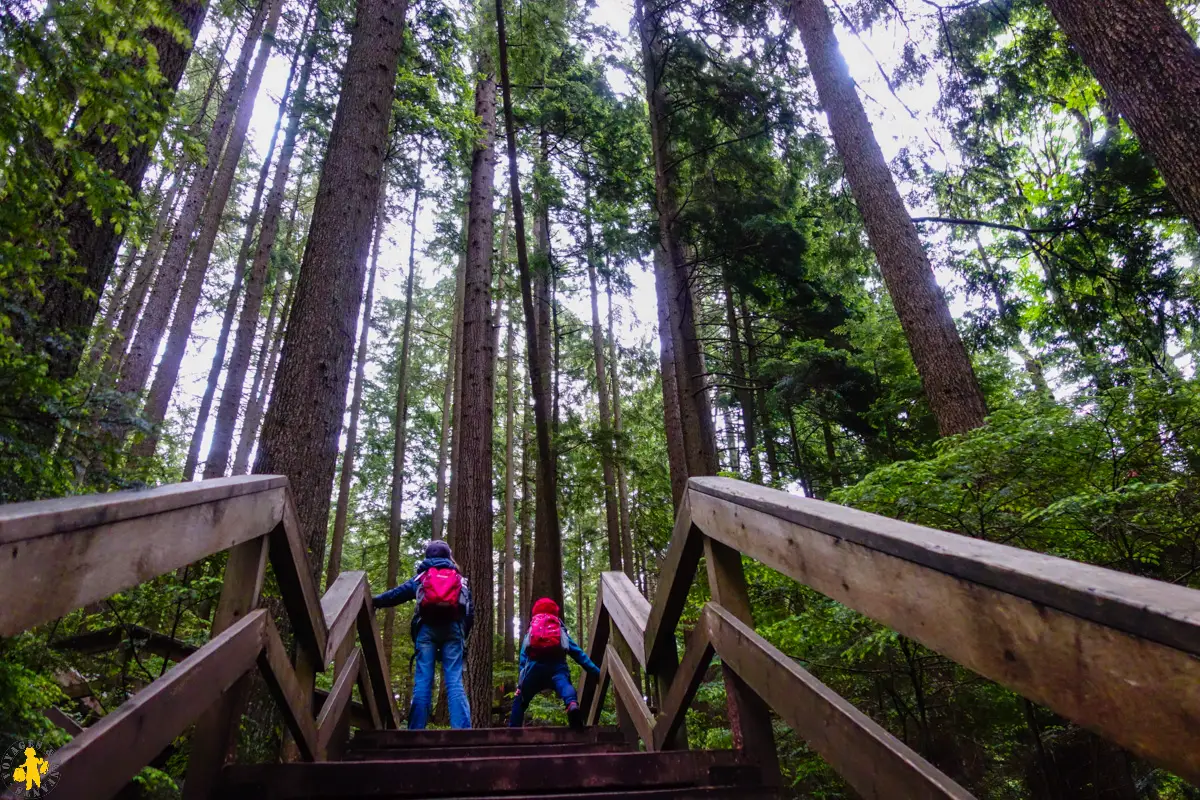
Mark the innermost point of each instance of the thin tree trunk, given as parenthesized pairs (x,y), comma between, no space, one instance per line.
(745,394)
(548,538)
(764,411)
(70,304)
(456,405)
(342,508)
(622,488)
(672,414)
(612,514)
(303,423)
(140,357)
(214,373)
(450,392)
(396,516)
(510,486)
(167,373)
(525,603)
(699,432)
(1149,65)
(941,359)
(472,515)
(243,343)
(258,400)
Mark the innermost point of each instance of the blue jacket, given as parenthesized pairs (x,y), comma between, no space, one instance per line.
(407,591)
(573,650)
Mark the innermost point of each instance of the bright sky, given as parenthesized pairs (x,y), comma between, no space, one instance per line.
(894,125)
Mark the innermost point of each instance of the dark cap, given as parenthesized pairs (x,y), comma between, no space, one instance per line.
(437,549)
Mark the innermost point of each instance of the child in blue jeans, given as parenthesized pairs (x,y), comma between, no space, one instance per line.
(544,664)
(440,626)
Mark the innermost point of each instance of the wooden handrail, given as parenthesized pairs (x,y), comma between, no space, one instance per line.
(63,554)
(1113,652)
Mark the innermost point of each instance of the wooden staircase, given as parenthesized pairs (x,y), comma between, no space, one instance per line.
(1115,653)
(592,763)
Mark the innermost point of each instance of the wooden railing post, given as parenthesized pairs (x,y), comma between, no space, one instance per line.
(215,739)
(749,717)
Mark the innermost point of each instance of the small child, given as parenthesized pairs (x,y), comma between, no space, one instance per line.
(440,627)
(544,664)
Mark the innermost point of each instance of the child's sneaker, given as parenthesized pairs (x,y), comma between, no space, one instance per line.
(575,715)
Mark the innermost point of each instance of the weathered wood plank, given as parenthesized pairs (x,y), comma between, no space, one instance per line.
(1149,609)
(676,576)
(375,661)
(878,765)
(101,760)
(597,643)
(340,606)
(366,691)
(628,611)
(336,705)
(289,560)
(292,697)
(1142,695)
(22,522)
(214,740)
(631,698)
(45,577)
(682,691)
(145,639)
(596,703)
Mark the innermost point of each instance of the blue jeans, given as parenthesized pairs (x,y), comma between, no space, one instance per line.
(537,677)
(439,643)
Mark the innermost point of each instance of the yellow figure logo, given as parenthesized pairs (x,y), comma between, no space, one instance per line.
(31,772)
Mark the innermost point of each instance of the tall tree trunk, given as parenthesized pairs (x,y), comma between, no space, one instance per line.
(525,602)
(243,343)
(672,414)
(456,429)
(1149,65)
(167,374)
(764,411)
(611,512)
(744,392)
(342,508)
(699,432)
(547,565)
(941,359)
(399,453)
(510,486)
(140,357)
(622,487)
(473,472)
(218,363)
(70,304)
(303,423)
(264,376)
(450,392)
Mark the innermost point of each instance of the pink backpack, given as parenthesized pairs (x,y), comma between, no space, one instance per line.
(438,594)
(546,638)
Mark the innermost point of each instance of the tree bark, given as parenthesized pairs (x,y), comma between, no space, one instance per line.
(525,602)
(672,414)
(699,432)
(396,517)
(304,420)
(547,567)
(456,406)
(1149,65)
(941,359)
(611,512)
(744,392)
(239,270)
(167,374)
(473,513)
(622,487)
(510,486)
(264,377)
(243,343)
(70,304)
(450,393)
(342,508)
(140,357)
(760,394)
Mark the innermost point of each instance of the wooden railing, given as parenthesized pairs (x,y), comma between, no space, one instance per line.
(1115,653)
(62,555)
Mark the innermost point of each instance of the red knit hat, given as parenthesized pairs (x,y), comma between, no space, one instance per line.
(545,606)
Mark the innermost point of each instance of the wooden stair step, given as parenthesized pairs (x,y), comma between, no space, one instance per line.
(515,775)
(677,793)
(399,753)
(482,737)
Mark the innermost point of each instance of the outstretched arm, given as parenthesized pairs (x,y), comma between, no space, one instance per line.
(393,597)
(581,658)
